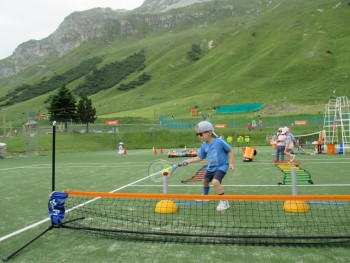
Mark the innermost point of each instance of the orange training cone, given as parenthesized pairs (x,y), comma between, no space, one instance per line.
(125,151)
(154,150)
(161,150)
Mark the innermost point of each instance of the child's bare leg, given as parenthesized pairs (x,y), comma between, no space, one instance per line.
(288,153)
(218,187)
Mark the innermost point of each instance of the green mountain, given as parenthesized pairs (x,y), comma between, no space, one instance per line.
(293,56)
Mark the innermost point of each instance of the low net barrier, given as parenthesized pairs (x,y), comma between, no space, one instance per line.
(311,140)
(285,220)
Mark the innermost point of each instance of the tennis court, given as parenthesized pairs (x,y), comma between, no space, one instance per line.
(26,186)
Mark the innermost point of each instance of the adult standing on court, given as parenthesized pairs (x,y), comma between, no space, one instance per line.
(281,137)
(220,159)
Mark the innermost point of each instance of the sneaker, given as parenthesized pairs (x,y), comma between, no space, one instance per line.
(293,157)
(222,206)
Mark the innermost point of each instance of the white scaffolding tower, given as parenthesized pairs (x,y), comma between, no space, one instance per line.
(337,115)
(330,123)
(344,113)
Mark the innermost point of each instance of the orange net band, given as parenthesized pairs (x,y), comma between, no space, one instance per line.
(210,197)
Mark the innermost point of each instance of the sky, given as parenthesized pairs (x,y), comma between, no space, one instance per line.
(23,20)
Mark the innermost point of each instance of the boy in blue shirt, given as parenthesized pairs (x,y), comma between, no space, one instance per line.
(220,159)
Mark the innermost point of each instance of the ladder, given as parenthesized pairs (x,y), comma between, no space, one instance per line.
(344,121)
(330,123)
(337,115)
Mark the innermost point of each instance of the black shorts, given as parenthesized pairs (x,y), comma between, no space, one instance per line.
(218,175)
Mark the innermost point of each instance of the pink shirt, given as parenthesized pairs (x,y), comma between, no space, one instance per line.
(280,139)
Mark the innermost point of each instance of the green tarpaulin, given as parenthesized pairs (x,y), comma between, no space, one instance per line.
(239,108)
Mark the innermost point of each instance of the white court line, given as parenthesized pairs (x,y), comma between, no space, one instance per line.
(79,165)
(71,165)
(48,219)
(244,185)
(25,167)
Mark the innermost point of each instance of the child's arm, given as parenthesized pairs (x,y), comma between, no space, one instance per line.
(192,160)
(231,159)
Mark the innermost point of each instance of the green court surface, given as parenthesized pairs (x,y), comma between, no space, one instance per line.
(26,184)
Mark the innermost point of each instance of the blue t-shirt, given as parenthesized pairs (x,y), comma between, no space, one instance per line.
(217,154)
(289,138)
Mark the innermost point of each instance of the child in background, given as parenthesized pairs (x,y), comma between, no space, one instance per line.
(289,144)
(121,148)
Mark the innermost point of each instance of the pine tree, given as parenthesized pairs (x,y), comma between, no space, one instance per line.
(63,107)
(195,53)
(86,112)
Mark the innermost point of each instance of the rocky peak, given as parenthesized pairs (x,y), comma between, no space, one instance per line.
(156,6)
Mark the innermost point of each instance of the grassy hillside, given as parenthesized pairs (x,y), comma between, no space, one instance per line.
(291,57)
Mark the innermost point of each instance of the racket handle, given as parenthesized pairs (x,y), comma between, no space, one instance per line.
(183,164)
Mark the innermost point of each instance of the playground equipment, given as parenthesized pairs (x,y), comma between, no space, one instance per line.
(337,115)
(248,154)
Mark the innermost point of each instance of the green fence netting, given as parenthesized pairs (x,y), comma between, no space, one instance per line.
(239,108)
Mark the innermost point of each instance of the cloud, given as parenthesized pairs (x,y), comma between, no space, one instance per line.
(21,21)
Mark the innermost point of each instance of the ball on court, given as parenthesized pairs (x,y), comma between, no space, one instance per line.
(166,207)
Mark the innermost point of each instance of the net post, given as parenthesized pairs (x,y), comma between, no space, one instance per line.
(165,183)
(53,154)
(5,259)
(294,180)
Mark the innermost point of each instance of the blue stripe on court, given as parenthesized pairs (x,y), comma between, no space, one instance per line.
(195,203)
(327,203)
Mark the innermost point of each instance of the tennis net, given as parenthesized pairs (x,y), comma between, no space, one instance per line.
(250,219)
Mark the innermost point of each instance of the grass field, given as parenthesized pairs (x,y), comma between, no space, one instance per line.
(26,186)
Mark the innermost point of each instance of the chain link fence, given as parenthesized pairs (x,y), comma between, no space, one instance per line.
(29,129)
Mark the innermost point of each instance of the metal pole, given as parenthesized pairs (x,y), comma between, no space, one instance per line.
(26,244)
(53,154)
(165,183)
(4,123)
(294,180)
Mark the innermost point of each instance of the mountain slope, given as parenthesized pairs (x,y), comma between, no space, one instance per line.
(262,51)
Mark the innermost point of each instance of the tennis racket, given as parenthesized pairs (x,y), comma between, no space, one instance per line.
(159,168)
(303,150)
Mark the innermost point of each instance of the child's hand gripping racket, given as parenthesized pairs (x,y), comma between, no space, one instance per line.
(160,168)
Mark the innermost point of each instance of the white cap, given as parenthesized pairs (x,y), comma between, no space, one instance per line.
(121,143)
(205,126)
(284,130)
